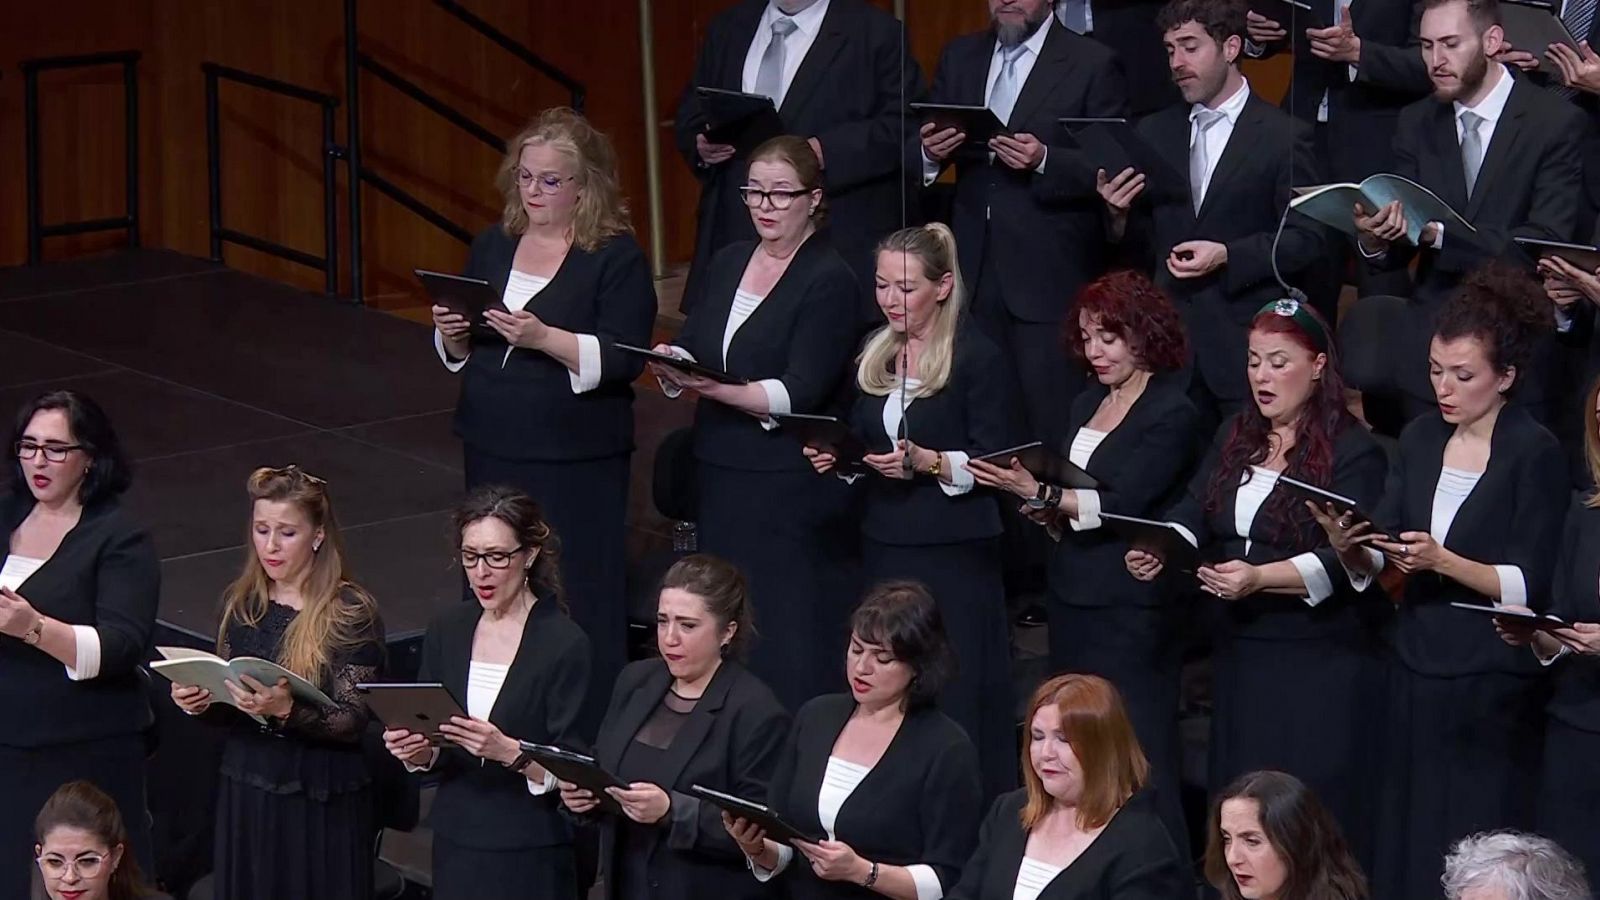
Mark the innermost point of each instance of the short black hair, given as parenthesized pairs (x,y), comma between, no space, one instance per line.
(109,471)
(1222,19)
(902,616)
(1484,13)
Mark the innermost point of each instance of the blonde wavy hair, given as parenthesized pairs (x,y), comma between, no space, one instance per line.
(601,212)
(337,613)
(934,246)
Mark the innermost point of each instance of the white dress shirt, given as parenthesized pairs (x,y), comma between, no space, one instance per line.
(1490,109)
(1033,877)
(961,480)
(521,288)
(1216,137)
(87,662)
(1084,443)
(839,780)
(1032,47)
(808,23)
(484,683)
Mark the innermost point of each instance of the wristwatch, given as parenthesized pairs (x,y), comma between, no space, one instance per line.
(521,762)
(1040,499)
(33,635)
(938,462)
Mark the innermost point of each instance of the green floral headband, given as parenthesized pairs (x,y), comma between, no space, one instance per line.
(1309,323)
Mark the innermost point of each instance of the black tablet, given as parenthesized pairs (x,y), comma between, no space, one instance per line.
(1543,622)
(742,120)
(1114,144)
(466,297)
(420,708)
(775,826)
(1343,505)
(979,123)
(1162,540)
(826,433)
(1581,256)
(682,365)
(1044,464)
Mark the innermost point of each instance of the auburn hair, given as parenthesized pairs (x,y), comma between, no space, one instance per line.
(1129,305)
(1095,723)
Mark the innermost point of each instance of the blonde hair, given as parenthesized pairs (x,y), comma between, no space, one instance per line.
(933,245)
(336,614)
(1591,441)
(601,212)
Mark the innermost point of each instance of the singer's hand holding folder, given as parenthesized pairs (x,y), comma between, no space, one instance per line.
(1044,464)
(742,120)
(577,769)
(1162,540)
(826,433)
(738,807)
(1582,256)
(197,668)
(1334,204)
(978,123)
(1114,144)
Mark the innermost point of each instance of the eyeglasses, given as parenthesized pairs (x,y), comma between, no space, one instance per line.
(780,200)
(87,866)
(494,559)
(52,452)
(294,471)
(549,182)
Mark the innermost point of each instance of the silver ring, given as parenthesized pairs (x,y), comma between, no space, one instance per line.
(1405,549)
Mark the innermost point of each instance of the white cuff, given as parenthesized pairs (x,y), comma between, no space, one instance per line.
(960,479)
(1253,50)
(785,854)
(777,401)
(88,653)
(1513,587)
(454,365)
(1563,320)
(1319,586)
(1352,70)
(1361,582)
(1438,237)
(1187,535)
(543,786)
(672,391)
(1088,511)
(930,170)
(1365,255)
(1551,660)
(432,760)
(587,378)
(927,882)
(1042,160)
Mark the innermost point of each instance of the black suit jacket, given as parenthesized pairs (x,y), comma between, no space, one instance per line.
(1575,595)
(104,574)
(729,743)
(1359,465)
(1143,464)
(976,413)
(850,93)
(1041,232)
(1132,859)
(919,805)
(523,407)
(486,806)
(1512,517)
(1128,27)
(1268,154)
(803,334)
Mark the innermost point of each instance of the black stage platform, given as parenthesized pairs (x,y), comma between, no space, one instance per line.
(208,373)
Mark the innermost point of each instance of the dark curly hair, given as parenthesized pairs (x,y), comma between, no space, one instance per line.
(1504,309)
(1323,420)
(1129,305)
(1301,831)
(1221,19)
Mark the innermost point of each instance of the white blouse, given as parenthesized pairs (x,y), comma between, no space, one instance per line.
(18,569)
(839,780)
(1453,489)
(961,480)
(521,288)
(744,305)
(1254,488)
(1032,878)
(1084,444)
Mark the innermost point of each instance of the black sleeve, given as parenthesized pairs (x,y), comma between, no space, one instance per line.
(1406,165)
(1250,258)
(1068,175)
(451,757)
(951,804)
(991,398)
(346,720)
(970,887)
(625,313)
(824,337)
(863,150)
(127,591)
(1399,69)
(911,152)
(1533,524)
(1162,455)
(757,740)
(1391,509)
(565,694)
(1190,510)
(690,119)
(1147,870)
(1571,601)
(1359,475)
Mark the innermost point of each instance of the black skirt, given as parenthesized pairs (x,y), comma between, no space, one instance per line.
(1306,707)
(967,583)
(273,845)
(586,501)
(786,533)
(1463,757)
(1569,799)
(465,873)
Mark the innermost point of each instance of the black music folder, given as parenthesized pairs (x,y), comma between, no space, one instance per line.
(776,828)
(1114,144)
(467,297)
(577,768)
(1533,25)
(1582,256)
(1159,539)
(979,123)
(742,120)
(1045,465)
(688,367)
(1293,15)
(1541,621)
(826,433)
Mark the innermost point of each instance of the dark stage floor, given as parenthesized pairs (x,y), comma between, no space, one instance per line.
(208,373)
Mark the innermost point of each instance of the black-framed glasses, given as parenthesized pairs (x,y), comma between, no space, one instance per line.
(549,182)
(52,452)
(780,199)
(494,559)
(87,865)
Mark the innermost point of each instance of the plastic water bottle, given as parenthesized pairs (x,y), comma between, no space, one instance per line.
(684,537)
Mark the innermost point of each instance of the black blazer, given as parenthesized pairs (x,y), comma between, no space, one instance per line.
(1359,465)
(802,334)
(1512,517)
(1143,463)
(918,806)
(850,93)
(1132,859)
(1576,596)
(977,413)
(486,806)
(730,743)
(104,574)
(1128,27)
(1267,154)
(1044,229)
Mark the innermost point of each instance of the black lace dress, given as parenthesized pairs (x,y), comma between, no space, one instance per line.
(295,810)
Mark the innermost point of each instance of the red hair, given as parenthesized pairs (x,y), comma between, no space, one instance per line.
(1323,419)
(1130,306)
(1096,725)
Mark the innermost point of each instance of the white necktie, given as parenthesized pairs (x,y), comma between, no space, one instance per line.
(1203,121)
(1003,97)
(769,78)
(1471,148)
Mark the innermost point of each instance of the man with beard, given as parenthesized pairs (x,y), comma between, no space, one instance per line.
(840,75)
(1026,217)
(1210,240)
(1504,153)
